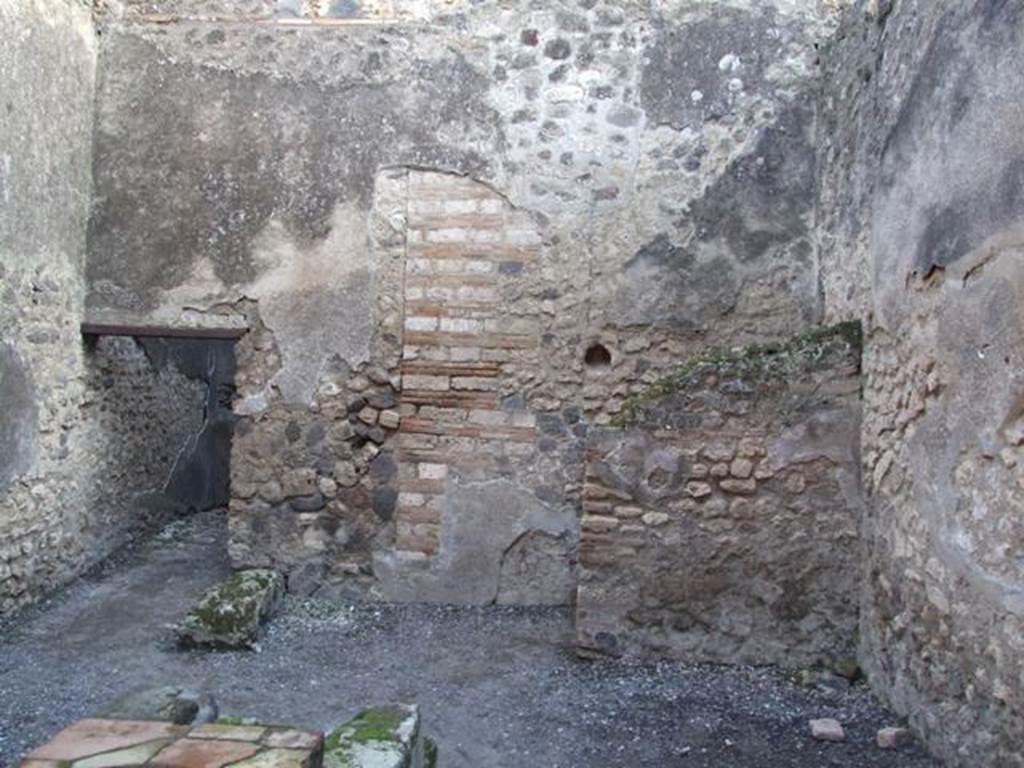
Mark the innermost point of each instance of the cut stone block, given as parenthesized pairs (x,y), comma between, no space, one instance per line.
(226,732)
(204,753)
(94,736)
(231,614)
(124,758)
(99,743)
(827,729)
(292,739)
(381,737)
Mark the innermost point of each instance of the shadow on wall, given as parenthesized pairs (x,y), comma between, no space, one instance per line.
(162,407)
(201,477)
(18,428)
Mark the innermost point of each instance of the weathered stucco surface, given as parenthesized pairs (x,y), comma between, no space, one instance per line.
(924,207)
(256,165)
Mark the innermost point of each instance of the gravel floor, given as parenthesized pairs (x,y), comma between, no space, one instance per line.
(498,687)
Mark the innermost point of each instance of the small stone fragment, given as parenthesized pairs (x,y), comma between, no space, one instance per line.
(655,519)
(327,487)
(382,400)
(599,523)
(894,738)
(298,482)
(741,468)
(831,683)
(847,667)
(795,483)
(698,490)
(733,485)
(827,729)
(390,419)
(378,375)
(345,474)
(719,453)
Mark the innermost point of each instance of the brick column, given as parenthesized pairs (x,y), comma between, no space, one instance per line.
(465,242)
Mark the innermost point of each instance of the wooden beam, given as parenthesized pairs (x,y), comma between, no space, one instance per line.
(162,331)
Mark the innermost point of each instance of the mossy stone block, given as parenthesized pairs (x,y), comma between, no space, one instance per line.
(381,737)
(231,614)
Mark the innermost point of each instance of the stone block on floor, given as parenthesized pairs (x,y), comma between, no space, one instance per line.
(381,737)
(231,614)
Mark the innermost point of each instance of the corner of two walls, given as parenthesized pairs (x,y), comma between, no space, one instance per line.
(47,67)
(95,435)
(923,237)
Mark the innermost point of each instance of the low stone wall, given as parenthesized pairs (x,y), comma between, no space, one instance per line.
(722,523)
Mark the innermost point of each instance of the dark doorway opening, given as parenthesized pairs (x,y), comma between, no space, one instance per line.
(166,399)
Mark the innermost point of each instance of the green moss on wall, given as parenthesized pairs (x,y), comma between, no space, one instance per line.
(757,364)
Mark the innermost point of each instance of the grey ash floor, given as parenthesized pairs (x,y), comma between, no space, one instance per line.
(498,687)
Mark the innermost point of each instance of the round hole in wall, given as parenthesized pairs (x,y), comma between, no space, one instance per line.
(597,356)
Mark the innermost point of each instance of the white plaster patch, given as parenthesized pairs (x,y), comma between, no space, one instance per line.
(317,300)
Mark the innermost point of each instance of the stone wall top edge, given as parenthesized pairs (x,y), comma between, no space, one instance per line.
(451,14)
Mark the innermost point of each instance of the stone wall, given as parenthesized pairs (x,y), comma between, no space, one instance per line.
(149,440)
(46,77)
(463,235)
(273,166)
(723,523)
(99,439)
(923,209)
(157,434)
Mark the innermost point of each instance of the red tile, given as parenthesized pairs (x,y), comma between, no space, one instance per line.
(204,753)
(91,737)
